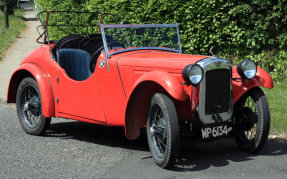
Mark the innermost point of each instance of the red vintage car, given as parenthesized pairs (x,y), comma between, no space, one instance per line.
(136,76)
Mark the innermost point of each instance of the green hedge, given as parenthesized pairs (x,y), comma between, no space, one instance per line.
(240,29)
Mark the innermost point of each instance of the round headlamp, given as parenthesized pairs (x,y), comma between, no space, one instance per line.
(247,69)
(192,74)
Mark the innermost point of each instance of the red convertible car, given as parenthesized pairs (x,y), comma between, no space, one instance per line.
(136,76)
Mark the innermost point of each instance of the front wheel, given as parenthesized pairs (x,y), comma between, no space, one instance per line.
(252,120)
(163,130)
(29,108)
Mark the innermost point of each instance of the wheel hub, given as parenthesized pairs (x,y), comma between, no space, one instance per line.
(152,130)
(34,105)
(26,107)
(249,118)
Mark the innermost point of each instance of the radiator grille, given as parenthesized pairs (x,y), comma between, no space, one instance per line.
(217,94)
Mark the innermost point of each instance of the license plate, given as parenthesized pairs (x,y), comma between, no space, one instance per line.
(214,131)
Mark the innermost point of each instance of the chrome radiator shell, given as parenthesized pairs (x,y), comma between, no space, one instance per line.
(208,64)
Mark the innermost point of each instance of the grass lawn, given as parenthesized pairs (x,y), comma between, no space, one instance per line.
(277,99)
(7,36)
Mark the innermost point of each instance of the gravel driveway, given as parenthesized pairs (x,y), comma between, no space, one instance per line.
(73,149)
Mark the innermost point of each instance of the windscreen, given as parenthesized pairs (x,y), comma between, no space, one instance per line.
(131,37)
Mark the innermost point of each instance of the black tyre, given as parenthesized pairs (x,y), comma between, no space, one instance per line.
(163,130)
(29,108)
(252,120)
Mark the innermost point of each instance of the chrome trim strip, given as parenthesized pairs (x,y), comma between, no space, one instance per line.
(106,48)
(178,35)
(144,48)
(213,63)
(206,61)
(136,25)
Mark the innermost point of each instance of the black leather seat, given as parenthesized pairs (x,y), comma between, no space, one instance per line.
(76,63)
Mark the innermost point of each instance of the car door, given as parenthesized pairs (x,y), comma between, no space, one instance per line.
(79,100)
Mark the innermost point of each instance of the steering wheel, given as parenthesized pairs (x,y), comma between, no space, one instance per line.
(96,55)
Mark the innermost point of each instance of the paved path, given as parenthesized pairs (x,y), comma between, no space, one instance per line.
(23,45)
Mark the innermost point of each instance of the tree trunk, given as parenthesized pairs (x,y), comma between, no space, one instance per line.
(6,14)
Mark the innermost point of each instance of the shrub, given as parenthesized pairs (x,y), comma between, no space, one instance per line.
(240,29)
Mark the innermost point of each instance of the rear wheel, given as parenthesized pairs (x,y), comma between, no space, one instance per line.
(252,120)
(29,108)
(163,130)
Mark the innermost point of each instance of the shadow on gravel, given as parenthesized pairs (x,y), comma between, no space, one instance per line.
(30,18)
(194,156)
(202,156)
(98,134)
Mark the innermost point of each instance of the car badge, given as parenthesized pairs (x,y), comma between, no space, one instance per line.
(217,63)
(101,63)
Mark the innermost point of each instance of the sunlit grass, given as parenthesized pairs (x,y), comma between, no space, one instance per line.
(277,99)
(8,36)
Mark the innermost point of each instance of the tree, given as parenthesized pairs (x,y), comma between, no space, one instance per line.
(8,8)
(6,14)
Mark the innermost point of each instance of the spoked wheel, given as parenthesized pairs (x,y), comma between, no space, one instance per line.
(252,120)
(158,132)
(162,130)
(29,108)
